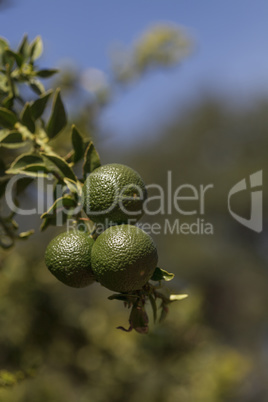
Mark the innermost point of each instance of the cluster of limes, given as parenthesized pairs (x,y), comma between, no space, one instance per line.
(123,257)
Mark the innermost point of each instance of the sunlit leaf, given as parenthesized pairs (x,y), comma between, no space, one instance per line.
(177,297)
(24,160)
(61,164)
(26,235)
(50,221)
(14,224)
(73,186)
(56,214)
(35,170)
(37,86)
(12,139)
(23,49)
(36,48)
(27,135)
(160,274)
(3,83)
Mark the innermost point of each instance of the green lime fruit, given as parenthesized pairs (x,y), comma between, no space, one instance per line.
(114,194)
(68,257)
(124,258)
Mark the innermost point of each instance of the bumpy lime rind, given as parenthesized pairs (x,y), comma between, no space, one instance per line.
(124,258)
(68,257)
(114,194)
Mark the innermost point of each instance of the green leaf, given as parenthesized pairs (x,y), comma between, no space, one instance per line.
(23,49)
(160,274)
(46,73)
(24,160)
(7,118)
(73,186)
(177,297)
(26,117)
(25,235)
(78,145)
(3,44)
(35,170)
(60,205)
(61,164)
(16,56)
(8,101)
(12,139)
(39,105)
(14,224)
(3,84)
(8,58)
(51,221)
(36,48)
(3,133)
(91,160)
(58,119)
(37,86)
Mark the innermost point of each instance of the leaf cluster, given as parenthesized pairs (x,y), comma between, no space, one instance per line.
(27,127)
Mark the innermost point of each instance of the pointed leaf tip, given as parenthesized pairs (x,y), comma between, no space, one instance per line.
(91,160)
(160,274)
(177,297)
(78,145)
(58,118)
(36,48)
(39,105)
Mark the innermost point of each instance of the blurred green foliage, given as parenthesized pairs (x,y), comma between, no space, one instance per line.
(69,338)
(161,45)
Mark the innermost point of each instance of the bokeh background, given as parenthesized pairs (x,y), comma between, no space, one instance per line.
(161,86)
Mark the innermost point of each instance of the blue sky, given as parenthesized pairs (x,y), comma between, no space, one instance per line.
(230,56)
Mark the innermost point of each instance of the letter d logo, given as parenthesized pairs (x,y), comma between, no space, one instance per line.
(255,221)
